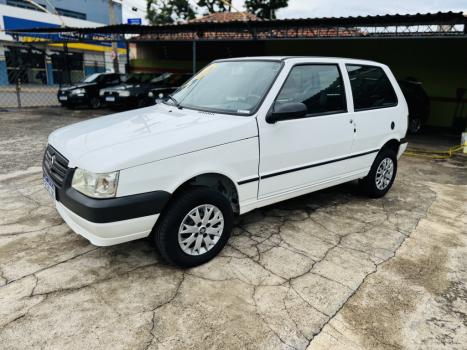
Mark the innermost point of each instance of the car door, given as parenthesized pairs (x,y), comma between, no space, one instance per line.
(298,153)
(375,113)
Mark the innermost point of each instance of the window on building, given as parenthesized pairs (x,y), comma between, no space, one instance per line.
(318,86)
(69,13)
(371,87)
(25,65)
(25,4)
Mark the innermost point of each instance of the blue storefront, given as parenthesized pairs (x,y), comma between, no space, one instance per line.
(42,58)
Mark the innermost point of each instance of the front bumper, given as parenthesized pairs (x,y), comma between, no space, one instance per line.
(74,100)
(110,221)
(110,233)
(118,101)
(103,221)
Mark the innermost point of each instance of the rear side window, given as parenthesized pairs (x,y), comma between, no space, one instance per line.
(371,87)
(112,79)
(318,86)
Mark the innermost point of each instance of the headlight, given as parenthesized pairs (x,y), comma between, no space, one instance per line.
(125,93)
(95,185)
(77,91)
(150,94)
(101,92)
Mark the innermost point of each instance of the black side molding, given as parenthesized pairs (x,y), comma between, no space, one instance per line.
(403,140)
(248,180)
(307,167)
(317,164)
(113,209)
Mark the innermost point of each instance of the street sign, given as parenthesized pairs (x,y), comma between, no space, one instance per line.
(134,21)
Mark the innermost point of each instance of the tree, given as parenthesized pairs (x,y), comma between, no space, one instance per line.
(216,5)
(265,9)
(169,11)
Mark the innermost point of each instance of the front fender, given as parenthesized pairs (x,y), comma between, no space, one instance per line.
(236,160)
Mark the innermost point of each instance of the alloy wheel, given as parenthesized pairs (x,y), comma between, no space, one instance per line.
(201,229)
(384,173)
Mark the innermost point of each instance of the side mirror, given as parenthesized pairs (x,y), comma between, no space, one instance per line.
(288,110)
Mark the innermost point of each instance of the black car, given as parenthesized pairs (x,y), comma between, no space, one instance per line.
(168,84)
(132,92)
(86,91)
(141,89)
(418,103)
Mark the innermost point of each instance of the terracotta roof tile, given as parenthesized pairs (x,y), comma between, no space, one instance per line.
(219,17)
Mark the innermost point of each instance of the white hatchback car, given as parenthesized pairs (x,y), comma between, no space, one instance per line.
(241,134)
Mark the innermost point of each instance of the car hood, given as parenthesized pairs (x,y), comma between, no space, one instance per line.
(123,87)
(72,87)
(136,137)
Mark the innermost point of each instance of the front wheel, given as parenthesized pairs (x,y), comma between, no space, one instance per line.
(94,103)
(194,227)
(382,174)
(141,102)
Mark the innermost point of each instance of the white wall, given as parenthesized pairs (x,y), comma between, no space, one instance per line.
(39,17)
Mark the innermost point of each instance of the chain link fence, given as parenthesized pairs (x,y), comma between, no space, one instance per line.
(32,74)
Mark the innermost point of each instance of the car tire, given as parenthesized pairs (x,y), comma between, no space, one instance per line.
(382,174)
(141,102)
(94,103)
(415,124)
(187,238)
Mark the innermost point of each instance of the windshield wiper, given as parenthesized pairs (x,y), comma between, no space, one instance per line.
(176,103)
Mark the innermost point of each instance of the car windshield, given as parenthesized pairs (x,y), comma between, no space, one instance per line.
(159,78)
(235,87)
(90,78)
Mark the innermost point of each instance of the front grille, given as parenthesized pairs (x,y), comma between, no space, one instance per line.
(55,165)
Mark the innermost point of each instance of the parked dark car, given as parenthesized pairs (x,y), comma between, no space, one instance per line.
(168,84)
(418,103)
(132,92)
(141,90)
(86,91)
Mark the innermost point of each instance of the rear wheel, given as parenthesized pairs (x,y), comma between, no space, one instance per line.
(415,124)
(194,228)
(382,174)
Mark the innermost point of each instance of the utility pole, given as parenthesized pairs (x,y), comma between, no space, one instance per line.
(114,38)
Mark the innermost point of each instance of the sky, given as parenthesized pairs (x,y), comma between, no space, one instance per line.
(333,8)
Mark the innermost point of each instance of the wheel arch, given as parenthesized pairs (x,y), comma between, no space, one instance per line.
(392,144)
(216,181)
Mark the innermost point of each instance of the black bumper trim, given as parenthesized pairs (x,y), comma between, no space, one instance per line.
(113,209)
(403,140)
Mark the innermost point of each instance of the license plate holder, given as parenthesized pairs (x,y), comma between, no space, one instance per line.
(63,98)
(110,98)
(49,185)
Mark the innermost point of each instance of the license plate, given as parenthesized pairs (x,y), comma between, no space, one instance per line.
(110,98)
(63,98)
(49,186)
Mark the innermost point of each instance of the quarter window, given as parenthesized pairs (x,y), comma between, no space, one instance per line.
(371,87)
(318,86)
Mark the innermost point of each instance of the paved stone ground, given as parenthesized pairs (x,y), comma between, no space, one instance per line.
(330,270)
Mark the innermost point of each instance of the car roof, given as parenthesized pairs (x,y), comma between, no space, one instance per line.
(302,59)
